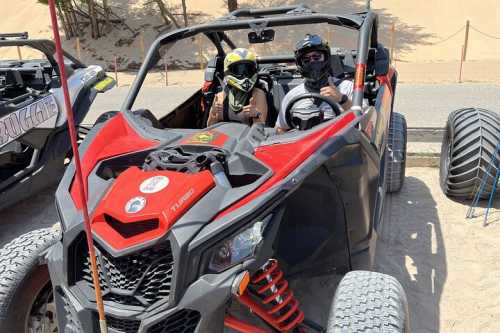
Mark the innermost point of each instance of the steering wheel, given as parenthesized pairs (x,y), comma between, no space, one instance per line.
(313,117)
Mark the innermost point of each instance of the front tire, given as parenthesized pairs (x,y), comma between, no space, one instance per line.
(467,152)
(26,300)
(369,302)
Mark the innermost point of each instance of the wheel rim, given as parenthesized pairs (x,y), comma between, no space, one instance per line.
(42,317)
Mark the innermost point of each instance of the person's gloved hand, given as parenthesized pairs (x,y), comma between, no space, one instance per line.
(332,92)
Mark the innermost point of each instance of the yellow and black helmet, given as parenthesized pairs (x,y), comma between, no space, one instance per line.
(240,69)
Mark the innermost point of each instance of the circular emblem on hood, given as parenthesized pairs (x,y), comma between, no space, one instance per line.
(154,184)
(135,205)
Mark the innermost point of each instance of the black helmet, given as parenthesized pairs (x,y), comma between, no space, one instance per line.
(315,73)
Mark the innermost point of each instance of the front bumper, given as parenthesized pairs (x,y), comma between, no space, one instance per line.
(192,307)
(202,307)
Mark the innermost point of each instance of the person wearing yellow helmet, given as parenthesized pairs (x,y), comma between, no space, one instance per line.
(242,100)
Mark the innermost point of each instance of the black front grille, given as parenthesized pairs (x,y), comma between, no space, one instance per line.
(139,279)
(184,321)
(123,325)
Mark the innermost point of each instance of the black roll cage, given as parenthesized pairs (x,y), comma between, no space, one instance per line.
(47,47)
(366,23)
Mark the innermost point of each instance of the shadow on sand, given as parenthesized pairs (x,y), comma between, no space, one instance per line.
(33,213)
(411,248)
(407,37)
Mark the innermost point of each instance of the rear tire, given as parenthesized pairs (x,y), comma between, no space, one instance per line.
(468,146)
(369,302)
(25,284)
(396,153)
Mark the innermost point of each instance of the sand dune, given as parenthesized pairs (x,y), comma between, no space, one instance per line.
(421,28)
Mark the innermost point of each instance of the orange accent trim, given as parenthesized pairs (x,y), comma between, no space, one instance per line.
(244,283)
(359,79)
(386,79)
(241,326)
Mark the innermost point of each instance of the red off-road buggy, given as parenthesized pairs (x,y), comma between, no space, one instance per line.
(228,227)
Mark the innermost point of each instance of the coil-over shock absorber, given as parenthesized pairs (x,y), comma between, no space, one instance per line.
(275,303)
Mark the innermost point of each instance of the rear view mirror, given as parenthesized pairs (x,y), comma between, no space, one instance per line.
(263,36)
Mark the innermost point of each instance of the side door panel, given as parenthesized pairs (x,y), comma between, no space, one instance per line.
(383,107)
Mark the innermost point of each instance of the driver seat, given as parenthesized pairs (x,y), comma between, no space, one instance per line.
(286,81)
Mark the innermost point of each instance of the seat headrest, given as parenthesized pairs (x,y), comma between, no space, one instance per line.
(382,60)
(337,67)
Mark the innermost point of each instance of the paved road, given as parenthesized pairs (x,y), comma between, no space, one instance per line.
(159,100)
(424,105)
(428,105)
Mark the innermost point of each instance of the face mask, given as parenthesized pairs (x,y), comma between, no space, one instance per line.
(316,75)
(246,84)
(238,91)
(237,99)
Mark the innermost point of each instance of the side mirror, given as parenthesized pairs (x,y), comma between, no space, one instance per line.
(263,36)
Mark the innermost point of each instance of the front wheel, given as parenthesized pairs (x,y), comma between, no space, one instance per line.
(369,302)
(26,299)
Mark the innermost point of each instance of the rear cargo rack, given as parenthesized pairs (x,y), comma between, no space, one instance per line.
(14,35)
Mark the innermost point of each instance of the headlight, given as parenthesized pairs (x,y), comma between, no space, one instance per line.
(234,250)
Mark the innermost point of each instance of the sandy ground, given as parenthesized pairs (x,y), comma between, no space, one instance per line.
(422,44)
(426,73)
(448,265)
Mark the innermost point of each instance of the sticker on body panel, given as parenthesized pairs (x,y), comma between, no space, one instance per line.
(135,205)
(40,114)
(202,137)
(154,184)
(210,137)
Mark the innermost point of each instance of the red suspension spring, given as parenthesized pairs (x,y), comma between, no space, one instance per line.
(278,307)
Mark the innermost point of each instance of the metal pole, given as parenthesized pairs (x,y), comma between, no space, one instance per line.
(393,38)
(200,51)
(492,195)
(143,49)
(20,56)
(461,65)
(78,48)
(116,70)
(78,168)
(466,42)
(166,69)
(329,34)
(368,7)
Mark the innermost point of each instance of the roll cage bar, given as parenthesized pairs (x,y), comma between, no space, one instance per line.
(365,23)
(45,46)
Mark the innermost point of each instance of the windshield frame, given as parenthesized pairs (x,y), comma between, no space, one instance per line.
(365,23)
